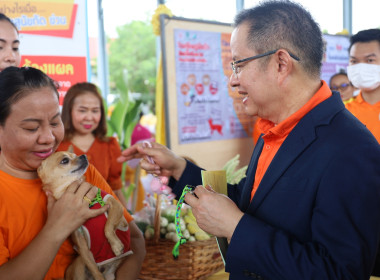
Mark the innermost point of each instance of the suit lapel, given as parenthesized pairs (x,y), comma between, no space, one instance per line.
(246,193)
(297,141)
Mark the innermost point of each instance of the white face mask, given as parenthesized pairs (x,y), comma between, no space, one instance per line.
(364,76)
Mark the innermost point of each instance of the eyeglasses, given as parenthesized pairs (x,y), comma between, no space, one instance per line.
(236,69)
(341,87)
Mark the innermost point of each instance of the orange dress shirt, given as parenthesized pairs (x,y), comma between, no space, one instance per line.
(368,114)
(275,135)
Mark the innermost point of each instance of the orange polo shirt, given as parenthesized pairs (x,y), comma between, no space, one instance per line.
(368,114)
(275,135)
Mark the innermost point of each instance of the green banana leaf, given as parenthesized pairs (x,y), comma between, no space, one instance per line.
(131,119)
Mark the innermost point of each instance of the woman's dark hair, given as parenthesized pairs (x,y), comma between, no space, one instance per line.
(5,18)
(284,24)
(340,73)
(68,102)
(16,83)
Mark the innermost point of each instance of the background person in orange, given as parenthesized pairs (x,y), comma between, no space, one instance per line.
(340,82)
(85,126)
(34,227)
(364,73)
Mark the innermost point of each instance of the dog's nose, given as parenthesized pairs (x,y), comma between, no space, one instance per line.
(83,158)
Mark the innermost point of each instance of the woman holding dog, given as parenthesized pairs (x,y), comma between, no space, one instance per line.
(84,120)
(34,227)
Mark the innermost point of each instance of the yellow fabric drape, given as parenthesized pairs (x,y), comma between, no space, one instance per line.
(160,107)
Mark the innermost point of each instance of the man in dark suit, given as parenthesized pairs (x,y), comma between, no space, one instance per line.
(309,207)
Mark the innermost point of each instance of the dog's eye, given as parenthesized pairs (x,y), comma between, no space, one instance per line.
(64,161)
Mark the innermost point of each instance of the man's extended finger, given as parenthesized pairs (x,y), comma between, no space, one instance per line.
(122,159)
(149,167)
(128,154)
(209,188)
(191,199)
(199,190)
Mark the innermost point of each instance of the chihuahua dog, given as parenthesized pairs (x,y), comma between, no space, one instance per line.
(101,244)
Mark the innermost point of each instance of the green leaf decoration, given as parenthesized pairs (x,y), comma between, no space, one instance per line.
(234,176)
(131,119)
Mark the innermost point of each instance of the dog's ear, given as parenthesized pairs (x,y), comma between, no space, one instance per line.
(70,149)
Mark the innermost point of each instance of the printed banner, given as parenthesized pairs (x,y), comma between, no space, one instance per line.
(336,55)
(66,71)
(53,18)
(53,38)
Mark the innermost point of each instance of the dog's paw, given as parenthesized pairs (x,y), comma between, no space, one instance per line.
(117,247)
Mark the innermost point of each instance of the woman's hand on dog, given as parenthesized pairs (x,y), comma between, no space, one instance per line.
(70,211)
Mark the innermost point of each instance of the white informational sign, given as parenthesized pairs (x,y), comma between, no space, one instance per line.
(336,55)
(205,108)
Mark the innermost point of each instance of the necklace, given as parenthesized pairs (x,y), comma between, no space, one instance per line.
(182,240)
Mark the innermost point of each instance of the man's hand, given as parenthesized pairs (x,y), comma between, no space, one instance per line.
(166,163)
(215,213)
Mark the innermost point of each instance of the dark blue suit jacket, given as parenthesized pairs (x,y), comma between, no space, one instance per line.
(316,213)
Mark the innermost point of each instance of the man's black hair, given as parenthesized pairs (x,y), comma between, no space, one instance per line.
(284,24)
(365,36)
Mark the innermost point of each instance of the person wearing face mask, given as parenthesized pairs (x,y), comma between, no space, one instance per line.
(364,73)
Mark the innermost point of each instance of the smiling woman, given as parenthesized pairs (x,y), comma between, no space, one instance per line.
(85,125)
(32,130)
(34,227)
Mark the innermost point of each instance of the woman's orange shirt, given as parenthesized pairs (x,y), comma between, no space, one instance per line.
(23,214)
